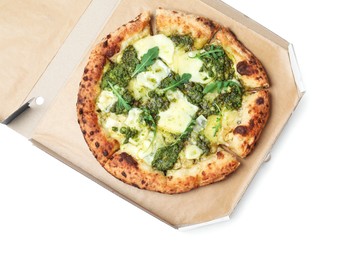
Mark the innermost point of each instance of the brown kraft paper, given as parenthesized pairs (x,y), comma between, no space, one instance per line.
(59,133)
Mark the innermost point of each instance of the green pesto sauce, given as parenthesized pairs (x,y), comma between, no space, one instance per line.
(166,157)
(129,132)
(203,143)
(157,102)
(119,75)
(183,41)
(218,65)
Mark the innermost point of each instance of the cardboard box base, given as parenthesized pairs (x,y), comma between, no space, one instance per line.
(54,127)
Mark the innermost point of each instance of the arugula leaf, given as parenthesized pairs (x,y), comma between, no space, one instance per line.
(183,79)
(120,100)
(149,120)
(219,86)
(166,156)
(215,52)
(147,60)
(185,135)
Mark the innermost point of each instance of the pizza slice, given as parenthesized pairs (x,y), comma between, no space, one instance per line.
(185,29)
(248,68)
(100,60)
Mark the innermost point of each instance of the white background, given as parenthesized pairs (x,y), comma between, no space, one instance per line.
(306,203)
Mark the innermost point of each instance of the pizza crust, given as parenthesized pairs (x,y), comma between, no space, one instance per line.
(114,43)
(101,146)
(177,23)
(213,168)
(249,69)
(255,112)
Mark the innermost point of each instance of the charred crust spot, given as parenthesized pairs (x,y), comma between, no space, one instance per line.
(97,144)
(124,174)
(85,70)
(135,185)
(91,133)
(84,132)
(220,155)
(105,44)
(242,130)
(129,160)
(244,68)
(85,78)
(260,101)
(252,123)
(206,22)
(110,52)
(143,182)
(105,153)
(81,111)
(108,36)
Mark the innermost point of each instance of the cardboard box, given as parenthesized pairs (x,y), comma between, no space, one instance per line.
(53,126)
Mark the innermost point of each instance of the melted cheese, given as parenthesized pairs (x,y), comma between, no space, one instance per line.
(179,114)
(151,79)
(105,100)
(166,47)
(184,63)
(192,152)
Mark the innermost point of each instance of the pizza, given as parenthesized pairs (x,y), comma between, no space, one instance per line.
(174,107)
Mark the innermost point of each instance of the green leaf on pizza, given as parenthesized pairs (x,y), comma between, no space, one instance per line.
(147,60)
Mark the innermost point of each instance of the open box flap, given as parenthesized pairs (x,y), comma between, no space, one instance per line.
(67,57)
(32,32)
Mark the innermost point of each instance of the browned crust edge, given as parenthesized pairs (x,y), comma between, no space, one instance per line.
(214,168)
(111,44)
(170,22)
(253,121)
(249,69)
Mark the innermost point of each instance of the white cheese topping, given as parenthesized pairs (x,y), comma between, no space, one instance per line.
(192,152)
(179,114)
(152,78)
(105,100)
(166,47)
(184,63)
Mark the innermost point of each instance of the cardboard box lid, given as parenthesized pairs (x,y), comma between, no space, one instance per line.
(57,132)
(31,34)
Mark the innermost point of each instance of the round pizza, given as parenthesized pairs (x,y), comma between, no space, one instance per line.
(174,107)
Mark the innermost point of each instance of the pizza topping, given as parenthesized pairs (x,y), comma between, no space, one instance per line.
(105,100)
(219,86)
(166,156)
(203,143)
(165,45)
(179,80)
(183,63)
(147,60)
(183,41)
(179,114)
(128,132)
(120,74)
(153,77)
(157,102)
(121,104)
(192,152)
